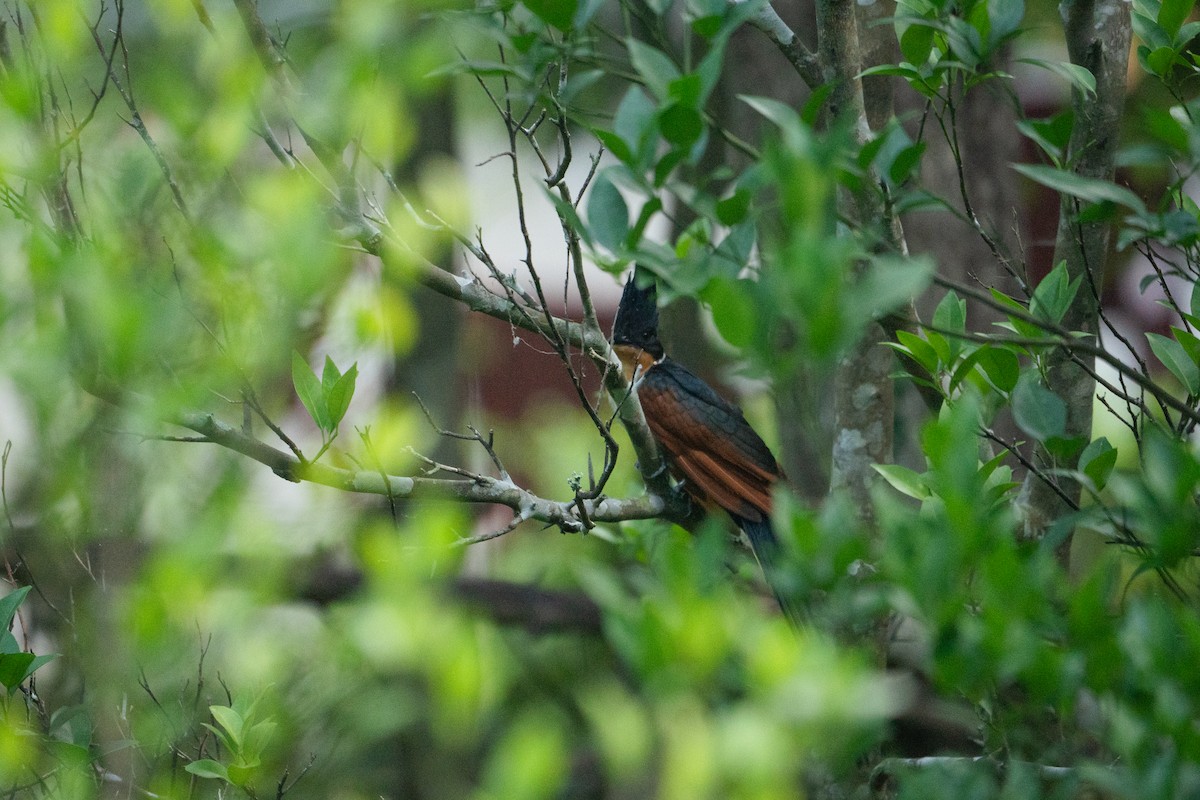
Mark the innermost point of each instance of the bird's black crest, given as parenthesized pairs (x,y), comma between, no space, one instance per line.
(637,316)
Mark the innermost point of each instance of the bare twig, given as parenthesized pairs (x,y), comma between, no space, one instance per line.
(482,489)
(135,118)
(474,436)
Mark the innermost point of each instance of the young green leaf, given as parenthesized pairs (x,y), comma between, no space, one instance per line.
(308,389)
(918,350)
(340,395)
(1054,294)
(950,316)
(232,723)
(329,375)
(916,42)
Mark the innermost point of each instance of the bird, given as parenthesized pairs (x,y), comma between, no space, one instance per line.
(708,444)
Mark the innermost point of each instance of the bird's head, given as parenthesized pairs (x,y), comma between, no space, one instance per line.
(636,325)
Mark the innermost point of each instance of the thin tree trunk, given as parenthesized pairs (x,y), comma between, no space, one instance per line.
(1098,37)
(864,400)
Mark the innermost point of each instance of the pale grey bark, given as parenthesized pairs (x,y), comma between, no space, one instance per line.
(864,398)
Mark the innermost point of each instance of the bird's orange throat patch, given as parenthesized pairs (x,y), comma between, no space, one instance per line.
(635,360)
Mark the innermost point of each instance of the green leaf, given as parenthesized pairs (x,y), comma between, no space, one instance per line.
(709,69)
(559,13)
(1173,356)
(966,368)
(608,216)
(951,316)
(1160,60)
(1001,366)
(634,122)
(1054,294)
(1092,190)
(782,114)
(340,395)
(733,209)
(37,663)
(614,144)
(1005,17)
(308,389)
(329,375)
(1097,461)
(940,346)
(240,774)
(256,740)
(905,162)
(916,43)
(231,721)
(13,669)
(1037,410)
(686,90)
(1052,134)
(1189,342)
(207,768)
(649,209)
(810,112)
(1172,14)
(1077,76)
(733,311)
(918,349)
(681,125)
(9,605)
(904,480)
(656,69)
(891,281)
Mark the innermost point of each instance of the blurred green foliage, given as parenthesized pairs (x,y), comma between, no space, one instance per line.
(178,237)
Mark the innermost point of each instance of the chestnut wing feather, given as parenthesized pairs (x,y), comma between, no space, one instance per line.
(708,440)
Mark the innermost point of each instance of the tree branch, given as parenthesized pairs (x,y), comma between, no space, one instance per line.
(767,20)
(482,489)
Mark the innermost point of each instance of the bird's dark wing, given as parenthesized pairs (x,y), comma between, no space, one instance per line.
(708,440)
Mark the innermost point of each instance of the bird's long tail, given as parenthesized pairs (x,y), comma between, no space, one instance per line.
(767,551)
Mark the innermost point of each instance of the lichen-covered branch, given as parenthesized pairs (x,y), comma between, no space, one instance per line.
(563,515)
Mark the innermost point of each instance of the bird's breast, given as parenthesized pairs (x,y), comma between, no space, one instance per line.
(635,360)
